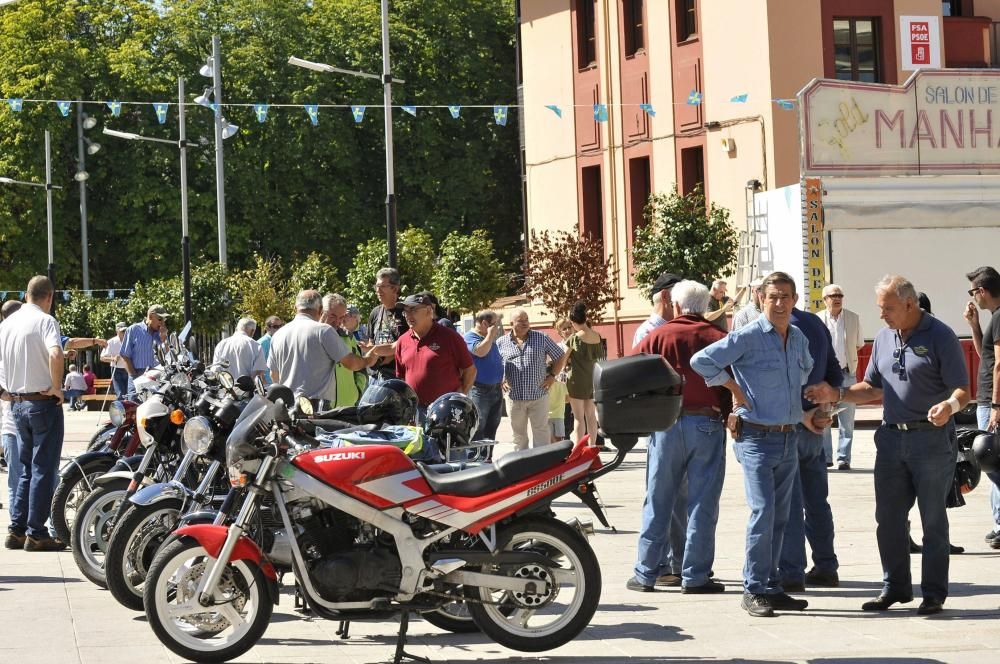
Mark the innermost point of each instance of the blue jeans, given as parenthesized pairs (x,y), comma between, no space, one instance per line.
(72,395)
(40,429)
(119,381)
(12,453)
(809,515)
(845,428)
(983,420)
(770,464)
(693,447)
(489,401)
(913,466)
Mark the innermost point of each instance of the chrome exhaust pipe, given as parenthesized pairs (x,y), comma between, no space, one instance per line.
(585,528)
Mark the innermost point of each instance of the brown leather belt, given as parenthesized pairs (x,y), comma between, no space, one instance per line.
(770,428)
(702,412)
(28,396)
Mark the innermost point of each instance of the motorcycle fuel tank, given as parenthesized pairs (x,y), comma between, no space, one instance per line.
(380,475)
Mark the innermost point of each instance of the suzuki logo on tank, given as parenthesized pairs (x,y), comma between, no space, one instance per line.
(938,122)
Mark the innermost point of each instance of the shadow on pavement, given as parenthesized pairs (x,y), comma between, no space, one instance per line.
(37,579)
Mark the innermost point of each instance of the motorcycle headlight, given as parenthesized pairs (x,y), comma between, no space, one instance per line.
(198,435)
(117,413)
(180,379)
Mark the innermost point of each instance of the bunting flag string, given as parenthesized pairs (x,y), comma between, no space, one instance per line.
(412,110)
(601,112)
(454,110)
(649,110)
(63,107)
(15,104)
(555,109)
(260,110)
(695,98)
(115,107)
(313,111)
(740,99)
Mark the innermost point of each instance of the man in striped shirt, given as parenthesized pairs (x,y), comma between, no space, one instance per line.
(140,340)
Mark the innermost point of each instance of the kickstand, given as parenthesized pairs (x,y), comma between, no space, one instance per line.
(401,654)
(344,629)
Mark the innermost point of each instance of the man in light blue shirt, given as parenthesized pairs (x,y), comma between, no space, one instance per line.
(770,363)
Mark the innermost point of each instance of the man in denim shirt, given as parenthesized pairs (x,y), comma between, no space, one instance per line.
(918,369)
(770,362)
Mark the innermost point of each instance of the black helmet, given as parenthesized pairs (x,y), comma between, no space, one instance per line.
(389,402)
(452,413)
(987,451)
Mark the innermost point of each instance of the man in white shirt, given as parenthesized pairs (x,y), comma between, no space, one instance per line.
(241,351)
(11,455)
(845,328)
(112,354)
(31,372)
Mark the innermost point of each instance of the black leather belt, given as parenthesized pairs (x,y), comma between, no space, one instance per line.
(770,428)
(918,425)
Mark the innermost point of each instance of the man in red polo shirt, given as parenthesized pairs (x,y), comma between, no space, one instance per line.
(432,359)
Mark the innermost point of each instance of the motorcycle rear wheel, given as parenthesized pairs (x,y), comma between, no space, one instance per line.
(72,491)
(567,593)
(93,526)
(133,545)
(453,617)
(194,632)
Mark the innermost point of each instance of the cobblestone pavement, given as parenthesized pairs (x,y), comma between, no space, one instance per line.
(50,613)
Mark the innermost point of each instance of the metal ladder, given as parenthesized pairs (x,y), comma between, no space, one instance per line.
(754,254)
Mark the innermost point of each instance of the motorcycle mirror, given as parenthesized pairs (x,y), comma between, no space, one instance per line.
(172,340)
(185,331)
(245,383)
(305,406)
(226,380)
(259,385)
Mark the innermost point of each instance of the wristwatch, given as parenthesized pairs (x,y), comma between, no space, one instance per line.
(841,392)
(995,405)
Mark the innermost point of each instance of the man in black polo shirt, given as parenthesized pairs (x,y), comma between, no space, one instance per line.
(918,369)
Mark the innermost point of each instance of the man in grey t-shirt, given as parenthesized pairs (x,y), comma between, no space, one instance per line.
(304,352)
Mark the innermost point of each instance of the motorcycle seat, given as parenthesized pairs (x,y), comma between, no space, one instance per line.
(508,470)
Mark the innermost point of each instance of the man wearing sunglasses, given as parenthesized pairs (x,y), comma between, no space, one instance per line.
(845,329)
(918,369)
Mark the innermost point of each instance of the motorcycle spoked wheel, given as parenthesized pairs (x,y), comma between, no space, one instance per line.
(93,526)
(133,545)
(567,595)
(71,493)
(205,634)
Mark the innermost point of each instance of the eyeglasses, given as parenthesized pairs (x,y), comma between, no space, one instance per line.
(973,291)
(274,327)
(899,366)
(836,296)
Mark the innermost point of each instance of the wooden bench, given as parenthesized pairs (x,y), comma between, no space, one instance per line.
(101,397)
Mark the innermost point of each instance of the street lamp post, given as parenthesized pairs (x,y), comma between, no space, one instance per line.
(387,81)
(182,145)
(220,179)
(84,146)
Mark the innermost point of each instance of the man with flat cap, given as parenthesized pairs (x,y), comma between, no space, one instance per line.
(662,306)
(141,340)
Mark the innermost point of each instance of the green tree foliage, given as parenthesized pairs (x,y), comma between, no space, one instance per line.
(292,188)
(416,267)
(562,269)
(104,315)
(261,290)
(317,272)
(211,299)
(468,275)
(684,237)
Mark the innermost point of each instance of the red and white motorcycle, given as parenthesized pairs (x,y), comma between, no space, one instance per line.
(369,534)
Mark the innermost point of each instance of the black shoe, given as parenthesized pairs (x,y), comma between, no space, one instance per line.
(783,602)
(668,581)
(915,548)
(14,541)
(992,536)
(995,544)
(930,606)
(794,586)
(44,544)
(884,601)
(822,578)
(757,605)
(706,588)
(956,550)
(843,465)
(829,464)
(638,586)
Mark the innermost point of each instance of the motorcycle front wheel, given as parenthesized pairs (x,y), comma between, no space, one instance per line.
(228,628)
(100,439)
(566,592)
(72,491)
(93,526)
(134,542)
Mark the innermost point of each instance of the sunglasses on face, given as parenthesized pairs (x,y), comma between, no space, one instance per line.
(973,291)
(836,296)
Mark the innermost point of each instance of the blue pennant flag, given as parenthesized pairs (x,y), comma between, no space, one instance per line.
(358,112)
(694,99)
(15,104)
(313,111)
(454,110)
(63,107)
(65,296)
(88,293)
(555,109)
(412,110)
(649,109)
(260,110)
(161,111)
(740,99)
(500,115)
(21,296)
(3,295)
(601,112)
(111,294)
(115,106)
(785,104)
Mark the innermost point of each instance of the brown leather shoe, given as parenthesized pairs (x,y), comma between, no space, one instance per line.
(14,541)
(44,544)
